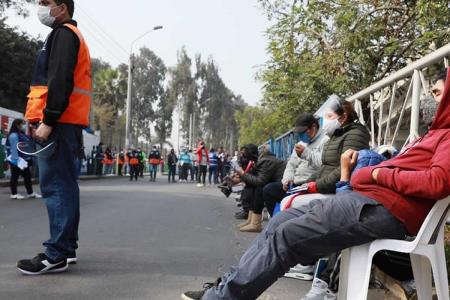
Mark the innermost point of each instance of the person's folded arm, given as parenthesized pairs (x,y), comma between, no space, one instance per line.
(432,183)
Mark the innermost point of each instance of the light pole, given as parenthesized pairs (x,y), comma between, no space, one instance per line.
(130,83)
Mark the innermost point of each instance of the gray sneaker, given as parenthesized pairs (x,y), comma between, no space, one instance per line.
(318,290)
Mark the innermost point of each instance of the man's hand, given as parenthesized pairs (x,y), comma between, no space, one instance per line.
(43,132)
(299,149)
(236,179)
(348,162)
(286,185)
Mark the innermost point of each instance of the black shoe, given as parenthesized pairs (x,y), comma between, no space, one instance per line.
(72,259)
(241,215)
(226,191)
(41,264)
(198,295)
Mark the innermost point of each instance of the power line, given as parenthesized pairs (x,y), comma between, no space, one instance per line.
(117,44)
(100,43)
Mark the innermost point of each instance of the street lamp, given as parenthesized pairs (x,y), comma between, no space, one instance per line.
(130,82)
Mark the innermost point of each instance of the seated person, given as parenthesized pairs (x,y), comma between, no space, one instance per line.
(342,125)
(267,168)
(328,283)
(306,159)
(388,201)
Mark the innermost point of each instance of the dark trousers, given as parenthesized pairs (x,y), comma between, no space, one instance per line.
(252,199)
(273,193)
(194,173)
(141,169)
(304,235)
(172,172)
(134,172)
(99,167)
(58,176)
(119,170)
(185,171)
(15,174)
(202,174)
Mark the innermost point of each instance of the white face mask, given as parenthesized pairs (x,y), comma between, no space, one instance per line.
(44,15)
(330,126)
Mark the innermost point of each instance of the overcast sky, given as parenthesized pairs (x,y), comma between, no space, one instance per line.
(232,31)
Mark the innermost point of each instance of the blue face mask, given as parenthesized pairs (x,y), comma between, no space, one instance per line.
(305,138)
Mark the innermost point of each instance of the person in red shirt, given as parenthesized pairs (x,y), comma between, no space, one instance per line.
(388,201)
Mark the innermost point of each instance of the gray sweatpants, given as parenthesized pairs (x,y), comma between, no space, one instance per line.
(304,235)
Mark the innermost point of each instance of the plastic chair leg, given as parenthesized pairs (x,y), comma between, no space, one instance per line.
(357,273)
(440,272)
(422,276)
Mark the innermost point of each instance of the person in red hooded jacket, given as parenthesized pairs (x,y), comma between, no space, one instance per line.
(388,201)
(202,162)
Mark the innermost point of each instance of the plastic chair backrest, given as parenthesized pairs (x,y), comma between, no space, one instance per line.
(433,223)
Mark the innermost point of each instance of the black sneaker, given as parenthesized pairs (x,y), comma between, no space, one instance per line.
(197,295)
(72,259)
(41,264)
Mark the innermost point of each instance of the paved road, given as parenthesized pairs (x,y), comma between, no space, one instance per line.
(137,241)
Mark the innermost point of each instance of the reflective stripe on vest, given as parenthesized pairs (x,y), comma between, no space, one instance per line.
(78,109)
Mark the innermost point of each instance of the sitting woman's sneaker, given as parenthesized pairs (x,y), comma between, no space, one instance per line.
(72,259)
(41,264)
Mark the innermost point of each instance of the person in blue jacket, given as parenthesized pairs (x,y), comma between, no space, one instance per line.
(213,166)
(17,133)
(186,165)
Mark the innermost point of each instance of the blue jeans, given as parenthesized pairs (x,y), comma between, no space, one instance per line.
(172,172)
(153,169)
(58,176)
(304,235)
(213,174)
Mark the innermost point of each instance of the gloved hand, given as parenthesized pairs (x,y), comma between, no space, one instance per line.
(312,187)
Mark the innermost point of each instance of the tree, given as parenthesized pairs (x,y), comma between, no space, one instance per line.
(183,91)
(149,74)
(18,54)
(321,47)
(163,119)
(17,5)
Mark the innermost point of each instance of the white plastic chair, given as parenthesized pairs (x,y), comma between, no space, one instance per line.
(426,250)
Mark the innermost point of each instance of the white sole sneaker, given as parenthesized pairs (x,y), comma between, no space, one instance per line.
(60,270)
(300,276)
(72,261)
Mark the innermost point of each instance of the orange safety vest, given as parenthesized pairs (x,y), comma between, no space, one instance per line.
(154,161)
(134,161)
(77,112)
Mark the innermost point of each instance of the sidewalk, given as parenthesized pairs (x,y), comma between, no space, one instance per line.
(5,182)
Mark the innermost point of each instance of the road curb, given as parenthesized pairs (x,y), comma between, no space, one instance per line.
(5,183)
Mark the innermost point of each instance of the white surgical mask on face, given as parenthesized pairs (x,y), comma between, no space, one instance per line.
(44,15)
(330,126)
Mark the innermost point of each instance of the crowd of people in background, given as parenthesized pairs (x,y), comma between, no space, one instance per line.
(201,165)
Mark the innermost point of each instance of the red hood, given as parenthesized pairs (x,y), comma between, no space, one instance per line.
(442,119)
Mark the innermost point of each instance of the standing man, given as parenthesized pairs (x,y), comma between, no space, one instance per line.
(154,159)
(202,163)
(58,105)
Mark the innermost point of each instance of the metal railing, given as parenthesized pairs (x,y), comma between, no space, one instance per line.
(390,107)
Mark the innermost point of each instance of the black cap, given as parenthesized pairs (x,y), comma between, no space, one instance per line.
(304,121)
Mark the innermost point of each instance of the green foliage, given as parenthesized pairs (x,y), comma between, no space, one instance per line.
(322,47)
(110,90)
(149,74)
(17,58)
